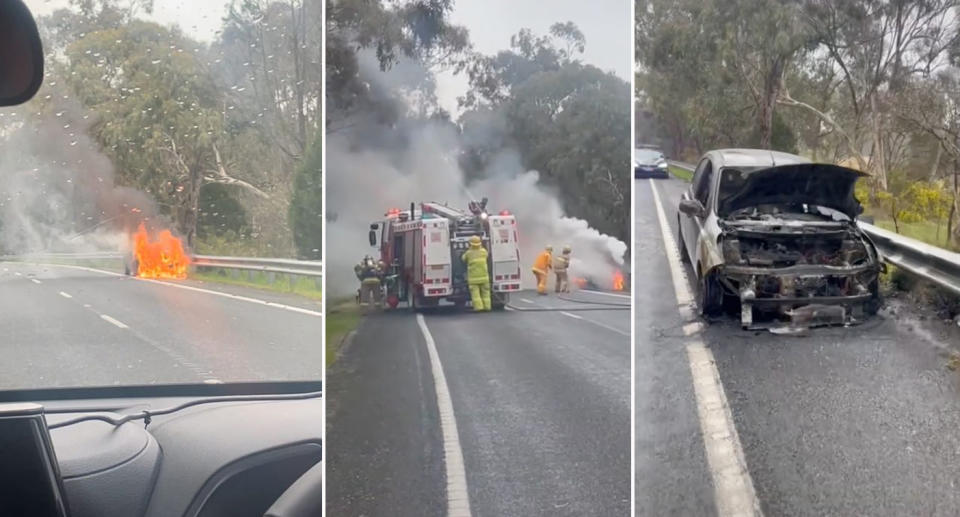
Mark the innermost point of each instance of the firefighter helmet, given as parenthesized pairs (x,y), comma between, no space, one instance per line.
(567,249)
(549,248)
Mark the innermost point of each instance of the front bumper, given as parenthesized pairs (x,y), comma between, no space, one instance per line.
(643,171)
(803,296)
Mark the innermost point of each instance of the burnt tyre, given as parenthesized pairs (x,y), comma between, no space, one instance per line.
(684,256)
(710,296)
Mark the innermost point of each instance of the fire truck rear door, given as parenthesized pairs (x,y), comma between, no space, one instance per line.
(437,271)
(504,253)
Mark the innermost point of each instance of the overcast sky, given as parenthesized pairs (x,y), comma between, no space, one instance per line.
(606,24)
(198,18)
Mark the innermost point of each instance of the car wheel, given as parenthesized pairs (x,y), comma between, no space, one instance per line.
(684,256)
(710,296)
(872,306)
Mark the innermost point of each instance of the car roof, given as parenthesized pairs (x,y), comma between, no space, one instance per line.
(753,158)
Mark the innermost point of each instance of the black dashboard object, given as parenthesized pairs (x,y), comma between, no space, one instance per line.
(30,482)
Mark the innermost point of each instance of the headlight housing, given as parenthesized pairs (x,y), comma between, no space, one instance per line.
(662,165)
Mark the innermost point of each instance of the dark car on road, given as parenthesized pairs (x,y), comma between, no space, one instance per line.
(649,163)
(772,234)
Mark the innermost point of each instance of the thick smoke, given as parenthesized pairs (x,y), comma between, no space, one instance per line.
(57,191)
(363,182)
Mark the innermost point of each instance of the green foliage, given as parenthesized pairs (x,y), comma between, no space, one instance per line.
(220,212)
(306,207)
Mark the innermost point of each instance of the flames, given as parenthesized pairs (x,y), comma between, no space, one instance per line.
(162,257)
(618,281)
(580,282)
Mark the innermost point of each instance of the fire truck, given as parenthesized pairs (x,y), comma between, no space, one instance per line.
(421,249)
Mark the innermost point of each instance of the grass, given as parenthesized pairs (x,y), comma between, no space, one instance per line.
(924,231)
(683,174)
(303,286)
(342,317)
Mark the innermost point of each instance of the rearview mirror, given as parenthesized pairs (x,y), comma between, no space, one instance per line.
(372,236)
(21,54)
(692,207)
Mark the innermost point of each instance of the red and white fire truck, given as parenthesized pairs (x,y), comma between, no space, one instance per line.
(421,249)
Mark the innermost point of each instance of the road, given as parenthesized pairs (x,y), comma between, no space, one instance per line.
(846,421)
(69,326)
(541,401)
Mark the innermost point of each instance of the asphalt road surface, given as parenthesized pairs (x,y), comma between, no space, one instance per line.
(541,402)
(68,326)
(845,421)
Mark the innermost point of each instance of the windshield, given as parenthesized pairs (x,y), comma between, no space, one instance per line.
(157,194)
(647,155)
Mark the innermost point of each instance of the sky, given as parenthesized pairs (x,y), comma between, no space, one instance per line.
(607,26)
(199,19)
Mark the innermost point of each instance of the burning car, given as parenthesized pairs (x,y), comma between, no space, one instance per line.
(160,255)
(773,234)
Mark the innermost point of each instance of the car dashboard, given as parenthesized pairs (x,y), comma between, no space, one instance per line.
(225,458)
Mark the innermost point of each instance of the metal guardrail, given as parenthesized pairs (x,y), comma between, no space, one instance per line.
(266,265)
(310,268)
(936,265)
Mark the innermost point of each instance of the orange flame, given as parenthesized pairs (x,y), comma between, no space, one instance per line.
(580,282)
(160,258)
(618,281)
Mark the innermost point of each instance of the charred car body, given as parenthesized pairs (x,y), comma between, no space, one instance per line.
(772,234)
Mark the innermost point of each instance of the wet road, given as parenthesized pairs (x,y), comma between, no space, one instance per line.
(68,326)
(846,421)
(541,400)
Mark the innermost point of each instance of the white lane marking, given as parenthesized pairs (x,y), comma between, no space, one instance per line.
(17,273)
(65,295)
(597,323)
(201,290)
(692,328)
(524,300)
(212,381)
(458,498)
(34,280)
(606,294)
(115,322)
(732,485)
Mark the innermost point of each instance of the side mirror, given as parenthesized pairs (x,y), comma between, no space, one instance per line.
(692,207)
(21,54)
(372,236)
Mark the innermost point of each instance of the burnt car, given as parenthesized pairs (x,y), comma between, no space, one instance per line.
(774,236)
(649,163)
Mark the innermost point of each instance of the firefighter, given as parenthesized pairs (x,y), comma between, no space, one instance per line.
(560,265)
(541,268)
(477,276)
(369,272)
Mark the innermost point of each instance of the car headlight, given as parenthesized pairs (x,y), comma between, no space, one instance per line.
(662,165)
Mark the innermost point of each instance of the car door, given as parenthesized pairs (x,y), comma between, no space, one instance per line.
(692,226)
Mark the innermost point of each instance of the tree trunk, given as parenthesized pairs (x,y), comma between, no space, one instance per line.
(936,163)
(877,161)
(771,92)
(191,207)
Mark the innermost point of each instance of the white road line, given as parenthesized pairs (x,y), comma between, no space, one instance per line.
(732,485)
(113,321)
(458,498)
(606,294)
(201,290)
(597,323)
(65,295)
(524,300)
(34,280)
(17,273)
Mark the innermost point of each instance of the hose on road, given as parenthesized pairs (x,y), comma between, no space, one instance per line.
(568,299)
(567,309)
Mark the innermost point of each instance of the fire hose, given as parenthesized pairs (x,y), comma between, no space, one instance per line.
(605,306)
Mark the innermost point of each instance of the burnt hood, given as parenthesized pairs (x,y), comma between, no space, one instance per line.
(819,184)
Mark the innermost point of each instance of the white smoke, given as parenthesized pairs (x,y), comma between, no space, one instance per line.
(364,182)
(57,191)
